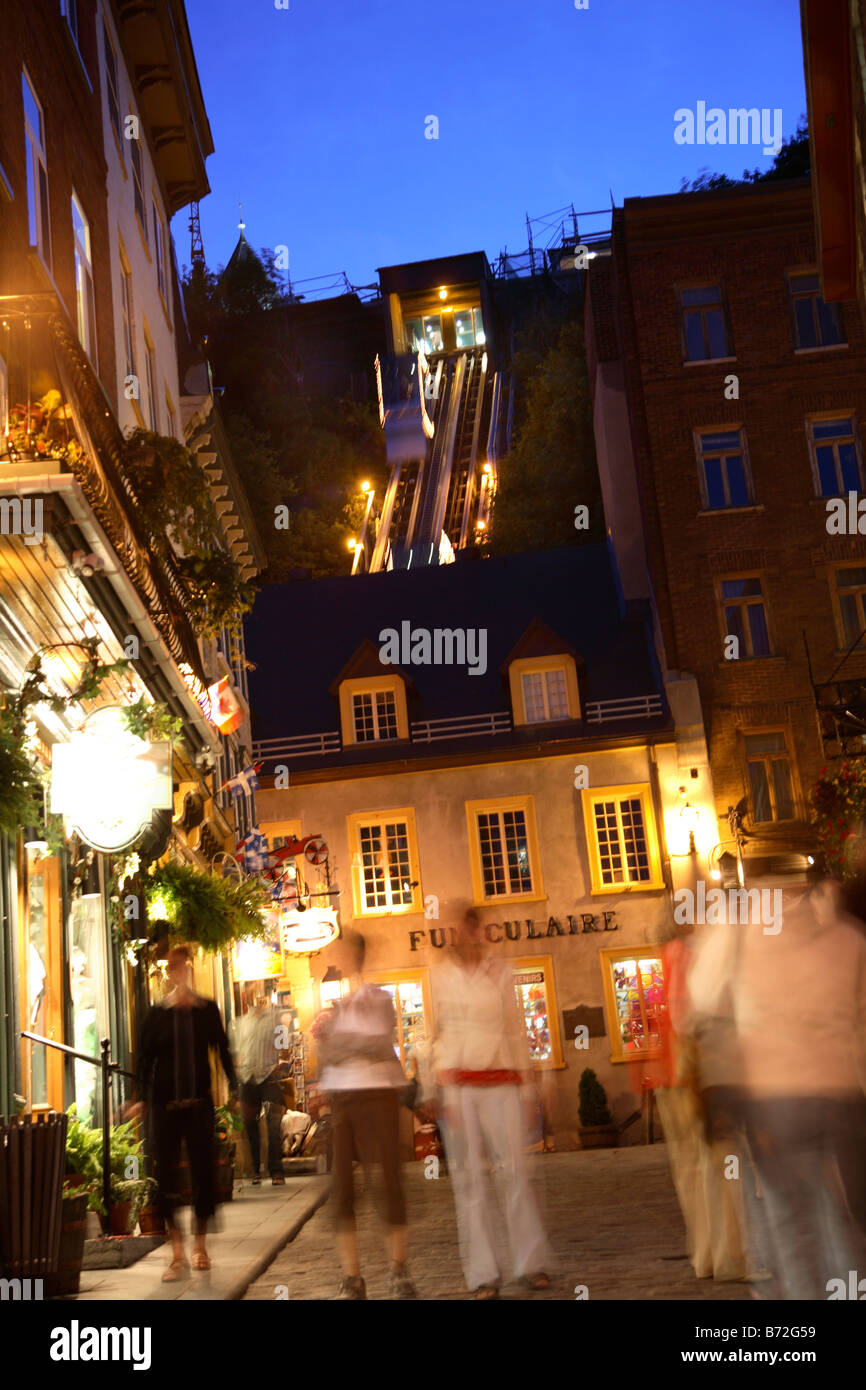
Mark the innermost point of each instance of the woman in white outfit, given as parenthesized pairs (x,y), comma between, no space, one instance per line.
(482,1066)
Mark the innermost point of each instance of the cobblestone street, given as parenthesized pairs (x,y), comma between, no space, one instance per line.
(611,1214)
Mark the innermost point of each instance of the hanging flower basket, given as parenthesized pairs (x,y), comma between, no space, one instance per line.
(199,907)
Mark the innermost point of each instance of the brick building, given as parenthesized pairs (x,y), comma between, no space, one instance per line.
(728,406)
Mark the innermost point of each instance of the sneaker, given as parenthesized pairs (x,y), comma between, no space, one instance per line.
(400,1285)
(352,1287)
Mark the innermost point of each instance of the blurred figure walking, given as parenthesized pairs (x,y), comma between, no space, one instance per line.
(482,1064)
(799,1007)
(356,1043)
(258,1066)
(174,1078)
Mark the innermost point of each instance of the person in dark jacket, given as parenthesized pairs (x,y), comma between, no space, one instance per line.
(174,1079)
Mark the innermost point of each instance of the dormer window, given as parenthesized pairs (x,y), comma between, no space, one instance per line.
(544,689)
(374,714)
(372,707)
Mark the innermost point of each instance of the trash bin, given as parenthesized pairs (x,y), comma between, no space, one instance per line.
(32,1164)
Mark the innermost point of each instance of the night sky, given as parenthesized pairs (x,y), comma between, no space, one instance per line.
(318,116)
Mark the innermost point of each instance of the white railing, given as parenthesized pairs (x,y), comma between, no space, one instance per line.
(461,726)
(636,707)
(300,746)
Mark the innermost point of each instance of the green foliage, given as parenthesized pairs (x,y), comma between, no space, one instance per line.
(593,1108)
(139,1192)
(21,796)
(839,815)
(792,162)
(218,594)
(152,721)
(551,466)
(226,1122)
(200,907)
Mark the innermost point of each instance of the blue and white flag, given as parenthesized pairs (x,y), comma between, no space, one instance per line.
(254,847)
(243,782)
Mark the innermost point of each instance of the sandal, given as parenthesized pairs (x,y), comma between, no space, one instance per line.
(278,1180)
(176,1270)
(535,1281)
(487,1291)
(200,1260)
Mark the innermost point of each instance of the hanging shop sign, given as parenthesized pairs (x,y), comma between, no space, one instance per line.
(258,960)
(527,930)
(107,782)
(302,933)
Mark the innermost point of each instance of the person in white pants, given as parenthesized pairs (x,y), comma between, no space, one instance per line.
(482,1067)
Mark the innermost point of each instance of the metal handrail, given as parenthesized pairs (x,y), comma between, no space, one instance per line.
(106,1066)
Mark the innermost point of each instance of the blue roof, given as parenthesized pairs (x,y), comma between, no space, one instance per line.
(301,635)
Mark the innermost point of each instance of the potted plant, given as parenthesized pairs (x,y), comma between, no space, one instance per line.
(150,1218)
(597,1129)
(226,1123)
(132,1196)
(73,1231)
(126,1159)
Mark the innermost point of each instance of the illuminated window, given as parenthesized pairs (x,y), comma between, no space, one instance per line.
(385,873)
(375,715)
(769,767)
(407,993)
(531,990)
(815,323)
(37,173)
(621,837)
(704,323)
(504,850)
(634,989)
(85,310)
(545,696)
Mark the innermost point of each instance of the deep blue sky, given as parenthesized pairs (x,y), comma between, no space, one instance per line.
(318,115)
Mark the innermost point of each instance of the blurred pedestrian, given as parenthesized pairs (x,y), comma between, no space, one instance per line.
(360,1070)
(175,1080)
(799,1007)
(482,1064)
(259,1062)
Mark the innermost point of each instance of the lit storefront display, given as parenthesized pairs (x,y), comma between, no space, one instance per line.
(410,993)
(635,997)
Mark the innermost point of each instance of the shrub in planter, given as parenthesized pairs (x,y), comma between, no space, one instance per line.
(597,1129)
(73,1224)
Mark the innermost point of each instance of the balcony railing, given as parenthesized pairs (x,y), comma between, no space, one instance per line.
(462,726)
(458,726)
(300,746)
(636,707)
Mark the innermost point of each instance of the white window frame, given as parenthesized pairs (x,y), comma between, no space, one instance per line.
(373,696)
(544,675)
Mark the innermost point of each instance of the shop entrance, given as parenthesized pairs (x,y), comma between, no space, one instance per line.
(41,981)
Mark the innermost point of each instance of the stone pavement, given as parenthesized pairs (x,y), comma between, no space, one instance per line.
(611,1214)
(246,1235)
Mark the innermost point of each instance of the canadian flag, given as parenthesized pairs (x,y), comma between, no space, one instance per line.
(225,708)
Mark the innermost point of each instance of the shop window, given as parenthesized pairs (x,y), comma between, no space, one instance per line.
(385,872)
(634,989)
(724,469)
(850,591)
(815,323)
(744,615)
(768,765)
(408,994)
(703,323)
(87,967)
(37,173)
(835,456)
(373,709)
(621,837)
(504,850)
(536,999)
(543,689)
